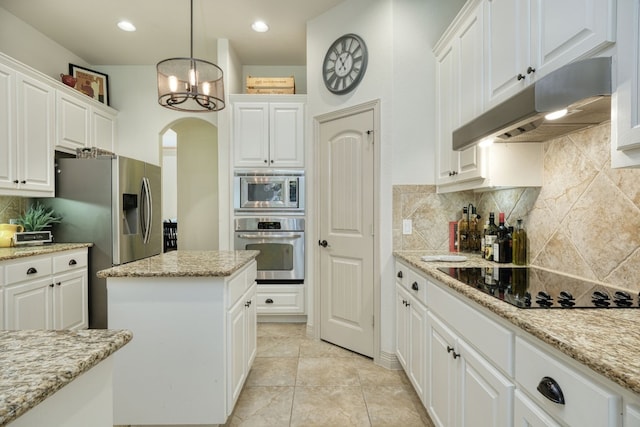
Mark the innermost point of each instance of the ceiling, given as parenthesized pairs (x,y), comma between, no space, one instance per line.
(88,28)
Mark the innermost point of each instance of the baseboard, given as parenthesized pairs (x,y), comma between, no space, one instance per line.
(389,361)
(282,318)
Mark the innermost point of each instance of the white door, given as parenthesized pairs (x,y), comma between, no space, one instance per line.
(346,225)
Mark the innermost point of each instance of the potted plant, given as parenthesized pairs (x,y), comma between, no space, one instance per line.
(38,217)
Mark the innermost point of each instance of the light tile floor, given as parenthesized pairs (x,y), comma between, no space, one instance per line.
(296,381)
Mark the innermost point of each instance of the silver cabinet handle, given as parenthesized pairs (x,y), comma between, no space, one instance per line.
(271,236)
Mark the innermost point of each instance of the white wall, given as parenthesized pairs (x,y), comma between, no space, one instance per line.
(197,171)
(170,175)
(371,20)
(24,43)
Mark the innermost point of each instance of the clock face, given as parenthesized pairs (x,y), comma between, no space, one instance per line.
(344,64)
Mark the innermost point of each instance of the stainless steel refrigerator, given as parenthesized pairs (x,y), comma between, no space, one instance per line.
(114,203)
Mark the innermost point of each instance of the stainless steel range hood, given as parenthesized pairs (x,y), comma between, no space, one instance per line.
(583,88)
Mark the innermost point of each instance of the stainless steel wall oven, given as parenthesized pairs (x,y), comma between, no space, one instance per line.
(281,245)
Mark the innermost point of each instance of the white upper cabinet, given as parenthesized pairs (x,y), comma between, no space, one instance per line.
(527,39)
(27,109)
(83,125)
(268,133)
(459,79)
(625,123)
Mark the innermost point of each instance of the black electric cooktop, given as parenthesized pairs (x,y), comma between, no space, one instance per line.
(527,287)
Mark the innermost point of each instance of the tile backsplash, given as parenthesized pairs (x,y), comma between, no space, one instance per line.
(11,208)
(584,220)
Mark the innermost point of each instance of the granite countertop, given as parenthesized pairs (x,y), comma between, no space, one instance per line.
(37,363)
(25,251)
(607,341)
(184,264)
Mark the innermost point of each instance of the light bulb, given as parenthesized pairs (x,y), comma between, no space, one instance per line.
(192,77)
(173,83)
(126,26)
(556,114)
(486,142)
(205,88)
(260,27)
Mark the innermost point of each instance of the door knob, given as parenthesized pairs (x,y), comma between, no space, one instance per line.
(323,243)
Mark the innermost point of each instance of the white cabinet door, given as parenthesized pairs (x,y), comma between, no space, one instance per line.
(29,305)
(35,135)
(251,134)
(70,301)
(625,123)
(527,39)
(563,31)
(73,122)
(286,134)
(251,317)
(268,134)
(632,416)
(459,95)
(484,393)
(417,346)
(446,113)
(442,374)
(235,351)
(527,413)
(402,326)
(507,48)
(103,128)
(7,127)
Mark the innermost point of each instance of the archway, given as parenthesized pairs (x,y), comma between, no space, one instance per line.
(190,161)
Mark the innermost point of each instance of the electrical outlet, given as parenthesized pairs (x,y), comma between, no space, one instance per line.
(407,226)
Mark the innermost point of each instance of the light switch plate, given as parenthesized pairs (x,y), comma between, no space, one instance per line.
(407,226)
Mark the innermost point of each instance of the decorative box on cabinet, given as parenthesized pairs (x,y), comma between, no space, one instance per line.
(47,291)
(527,40)
(268,133)
(27,107)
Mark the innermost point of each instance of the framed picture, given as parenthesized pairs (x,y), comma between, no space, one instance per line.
(91,83)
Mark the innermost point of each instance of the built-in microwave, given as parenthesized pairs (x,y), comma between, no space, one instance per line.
(269,191)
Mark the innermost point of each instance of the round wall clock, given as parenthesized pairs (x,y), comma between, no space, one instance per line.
(344,64)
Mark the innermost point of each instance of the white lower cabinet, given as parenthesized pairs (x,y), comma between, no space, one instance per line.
(280,299)
(242,345)
(464,389)
(527,413)
(482,371)
(561,391)
(47,291)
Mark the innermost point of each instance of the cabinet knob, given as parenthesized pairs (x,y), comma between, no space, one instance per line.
(531,70)
(400,274)
(456,355)
(450,349)
(247,304)
(15,181)
(73,262)
(268,301)
(32,270)
(520,77)
(453,173)
(58,283)
(24,181)
(51,285)
(550,389)
(265,160)
(415,286)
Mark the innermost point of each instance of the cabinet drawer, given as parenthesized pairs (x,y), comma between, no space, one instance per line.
(280,299)
(586,402)
(413,282)
(241,281)
(33,268)
(489,337)
(69,260)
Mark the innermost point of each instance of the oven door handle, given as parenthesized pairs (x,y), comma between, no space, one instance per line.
(270,236)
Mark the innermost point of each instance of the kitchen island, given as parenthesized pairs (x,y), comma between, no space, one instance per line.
(591,352)
(58,377)
(194,319)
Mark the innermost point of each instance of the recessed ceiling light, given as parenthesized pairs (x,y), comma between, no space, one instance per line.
(260,27)
(556,114)
(126,26)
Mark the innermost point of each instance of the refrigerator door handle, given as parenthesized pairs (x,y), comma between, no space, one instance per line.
(145,212)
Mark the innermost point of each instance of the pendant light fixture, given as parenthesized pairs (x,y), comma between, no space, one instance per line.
(190,84)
